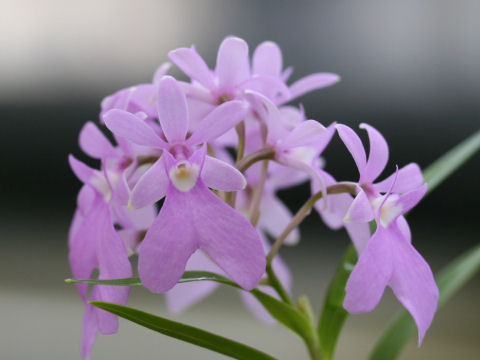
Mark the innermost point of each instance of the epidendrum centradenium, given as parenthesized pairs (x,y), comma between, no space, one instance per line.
(217,149)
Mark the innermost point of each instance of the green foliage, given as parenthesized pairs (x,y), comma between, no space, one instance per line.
(333,314)
(447,164)
(186,333)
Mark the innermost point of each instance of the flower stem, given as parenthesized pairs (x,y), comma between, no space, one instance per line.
(304,211)
(253,211)
(240,128)
(262,154)
(277,285)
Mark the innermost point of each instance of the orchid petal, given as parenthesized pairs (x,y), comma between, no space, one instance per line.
(267,59)
(354,146)
(409,177)
(89,330)
(309,169)
(283,177)
(404,228)
(192,64)
(182,296)
(219,175)
(161,71)
(360,234)
(410,199)
(83,172)
(291,116)
(91,177)
(239,253)
(85,199)
(274,218)
(94,143)
(378,156)
(131,238)
(130,127)
(268,112)
(232,62)
(324,139)
(83,247)
(142,99)
(370,276)
(306,133)
(256,308)
(172,109)
(312,82)
(361,210)
(113,263)
(414,285)
(168,244)
(218,122)
(271,87)
(197,110)
(151,187)
(338,204)
(142,218)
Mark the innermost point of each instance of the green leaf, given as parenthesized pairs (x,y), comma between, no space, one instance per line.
(449,281)
(286,314)
(186,333)
(134,281)
(188,276)
(333,314)
(443,167)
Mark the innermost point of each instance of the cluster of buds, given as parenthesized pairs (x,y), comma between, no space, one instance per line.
(216,150)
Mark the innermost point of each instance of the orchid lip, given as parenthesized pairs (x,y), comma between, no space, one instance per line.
(184,175)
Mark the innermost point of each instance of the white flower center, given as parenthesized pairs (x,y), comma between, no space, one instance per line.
(389,211)
(305,154)
(184,175)
(101,183)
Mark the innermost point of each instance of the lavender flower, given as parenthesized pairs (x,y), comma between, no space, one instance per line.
(192,217)
(174,141)
(388,258)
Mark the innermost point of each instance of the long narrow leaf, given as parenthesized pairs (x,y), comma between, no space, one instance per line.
(186,333)
(443,167)
(285,314)
(333,314)
(449,281)
(188,276)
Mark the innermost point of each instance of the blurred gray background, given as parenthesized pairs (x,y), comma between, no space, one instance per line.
(410,68)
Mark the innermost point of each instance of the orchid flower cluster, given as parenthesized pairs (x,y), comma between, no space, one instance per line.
(191,183)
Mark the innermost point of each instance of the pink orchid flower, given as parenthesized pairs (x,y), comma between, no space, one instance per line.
(192,216)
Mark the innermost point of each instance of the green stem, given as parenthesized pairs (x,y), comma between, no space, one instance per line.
(277,285)
(253,211)
(240,128)
(304,211)
(313,346)
(250,159)
(311,339)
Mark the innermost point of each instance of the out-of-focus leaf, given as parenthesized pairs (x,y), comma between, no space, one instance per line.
(186,333)
(449,281)
(333,314)
(443,167)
